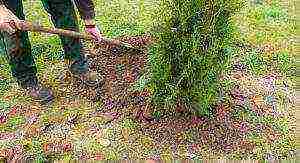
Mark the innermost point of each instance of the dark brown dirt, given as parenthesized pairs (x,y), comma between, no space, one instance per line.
(120,68)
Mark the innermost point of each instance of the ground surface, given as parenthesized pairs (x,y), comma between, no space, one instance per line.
(257,121)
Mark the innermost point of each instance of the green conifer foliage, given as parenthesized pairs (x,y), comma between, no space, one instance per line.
(193,41)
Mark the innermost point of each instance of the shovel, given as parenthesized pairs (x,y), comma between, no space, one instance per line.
(28,26)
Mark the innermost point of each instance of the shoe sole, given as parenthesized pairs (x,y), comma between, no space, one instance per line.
(90,84)
(47,101)
(94,84)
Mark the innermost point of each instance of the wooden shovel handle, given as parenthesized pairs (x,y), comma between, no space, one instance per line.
(28,26)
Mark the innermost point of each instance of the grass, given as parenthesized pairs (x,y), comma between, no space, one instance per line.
(266,34)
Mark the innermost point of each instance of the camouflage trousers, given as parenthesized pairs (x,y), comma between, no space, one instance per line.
(18,47)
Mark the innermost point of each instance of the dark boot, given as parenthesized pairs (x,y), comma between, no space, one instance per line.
(38,92)
(80,70)
(41,94)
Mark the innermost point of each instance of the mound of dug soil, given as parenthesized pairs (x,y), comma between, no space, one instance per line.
(120,67)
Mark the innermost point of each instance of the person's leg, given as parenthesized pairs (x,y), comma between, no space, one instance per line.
(21,61)
(63,16)
(19,50)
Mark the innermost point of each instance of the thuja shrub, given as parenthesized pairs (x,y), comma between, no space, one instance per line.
(194,38)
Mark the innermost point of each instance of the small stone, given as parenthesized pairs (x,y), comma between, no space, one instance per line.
(32,119)
(3,119)
(104,142)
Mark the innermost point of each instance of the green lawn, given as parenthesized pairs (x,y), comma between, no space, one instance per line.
(266,32)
